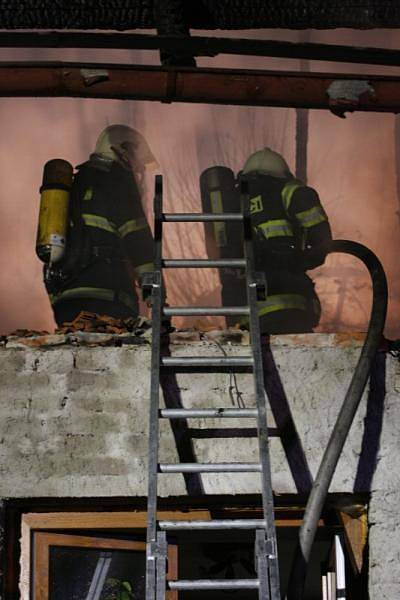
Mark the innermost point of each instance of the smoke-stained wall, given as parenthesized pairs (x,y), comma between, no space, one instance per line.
(351,162)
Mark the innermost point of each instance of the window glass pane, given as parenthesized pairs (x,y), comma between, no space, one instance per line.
(89,574)
(221,560)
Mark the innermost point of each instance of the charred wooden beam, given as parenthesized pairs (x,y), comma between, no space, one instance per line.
(170,19)
(337,92)
(201,46)
(204,14)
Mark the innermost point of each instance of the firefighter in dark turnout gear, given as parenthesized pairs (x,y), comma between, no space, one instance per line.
(291,235)
(110,244)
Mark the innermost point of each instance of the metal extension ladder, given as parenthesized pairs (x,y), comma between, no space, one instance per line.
(266,561)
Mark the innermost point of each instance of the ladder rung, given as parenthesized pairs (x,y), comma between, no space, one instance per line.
(209,467)
(203,263)
(208,413)
(214,524)
(229,432)
(192,311)
(201,217)
(214,584)
(207,361)
(212,433)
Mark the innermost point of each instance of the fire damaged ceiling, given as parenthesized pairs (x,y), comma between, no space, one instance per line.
(199,14)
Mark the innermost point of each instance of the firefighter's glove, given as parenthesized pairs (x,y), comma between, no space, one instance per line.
(146,283)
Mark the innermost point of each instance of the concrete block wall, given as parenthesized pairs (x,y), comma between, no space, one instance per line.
(384,508)
(74,423)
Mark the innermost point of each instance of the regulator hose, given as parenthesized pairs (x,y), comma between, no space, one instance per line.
(346,415)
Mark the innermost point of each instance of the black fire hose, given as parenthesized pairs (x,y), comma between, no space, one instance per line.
(346,415)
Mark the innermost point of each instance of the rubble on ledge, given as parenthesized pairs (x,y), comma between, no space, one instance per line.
(91,329)
(186,337)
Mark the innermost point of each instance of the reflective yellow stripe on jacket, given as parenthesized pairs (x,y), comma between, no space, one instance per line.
(287,193)
(281,302)
(276,228)
(278,302)
(103,223)
(99,222)
(145,268)
(96,293)
(311,217)
(132,225)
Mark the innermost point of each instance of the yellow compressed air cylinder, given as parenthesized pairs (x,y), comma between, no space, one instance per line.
(54,210)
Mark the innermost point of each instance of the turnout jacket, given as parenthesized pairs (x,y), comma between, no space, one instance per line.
(291,234)
(110,243)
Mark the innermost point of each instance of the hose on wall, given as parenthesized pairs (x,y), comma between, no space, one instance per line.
(346,415)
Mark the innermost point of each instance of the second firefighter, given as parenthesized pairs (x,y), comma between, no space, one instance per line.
(291,235)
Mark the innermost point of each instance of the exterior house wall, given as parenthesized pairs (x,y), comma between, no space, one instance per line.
(74,424)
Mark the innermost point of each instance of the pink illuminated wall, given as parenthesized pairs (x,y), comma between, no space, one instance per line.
(352,164)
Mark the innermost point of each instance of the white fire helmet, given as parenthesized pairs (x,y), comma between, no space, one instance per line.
(126,145)
(267,162)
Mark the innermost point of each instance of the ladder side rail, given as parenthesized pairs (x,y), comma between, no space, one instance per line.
(161,570)
(261,564)
(255,339)
(157,301)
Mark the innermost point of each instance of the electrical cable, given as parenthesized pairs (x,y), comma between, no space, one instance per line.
(235,395)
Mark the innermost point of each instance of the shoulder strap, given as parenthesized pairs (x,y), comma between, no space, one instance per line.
(75,240)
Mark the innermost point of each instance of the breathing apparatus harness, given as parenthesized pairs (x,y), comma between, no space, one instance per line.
(61,242)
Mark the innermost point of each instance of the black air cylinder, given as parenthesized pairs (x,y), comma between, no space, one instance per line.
(219,194)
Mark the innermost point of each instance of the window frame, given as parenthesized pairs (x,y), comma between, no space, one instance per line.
(40,531)
(24,517)
(42,542)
